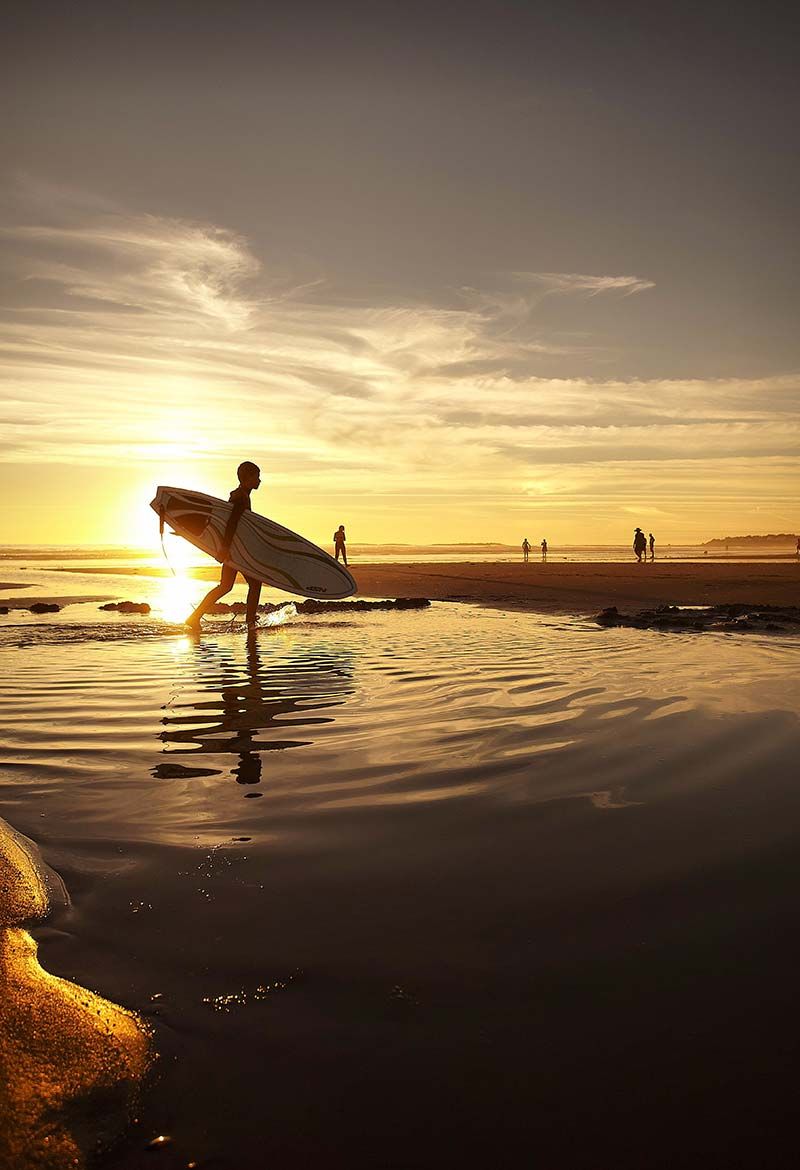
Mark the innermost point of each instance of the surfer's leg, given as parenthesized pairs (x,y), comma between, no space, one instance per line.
(253,595)
(226,580)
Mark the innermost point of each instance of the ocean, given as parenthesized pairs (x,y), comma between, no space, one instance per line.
(418,889)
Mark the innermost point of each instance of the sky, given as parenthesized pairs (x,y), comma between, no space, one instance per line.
(446,272)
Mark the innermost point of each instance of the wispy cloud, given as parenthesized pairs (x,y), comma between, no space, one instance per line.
(577,283)
(140,338)
(181,272)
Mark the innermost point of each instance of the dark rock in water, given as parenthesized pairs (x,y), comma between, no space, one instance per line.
(3,609)
(127,606)
(738,618)
(44,607)
(311,605)
(181,772)
(609,617)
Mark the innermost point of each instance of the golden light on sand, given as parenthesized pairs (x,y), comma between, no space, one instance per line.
(70,1062)
(60,1045)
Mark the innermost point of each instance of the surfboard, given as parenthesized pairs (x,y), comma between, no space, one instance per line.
(260,548)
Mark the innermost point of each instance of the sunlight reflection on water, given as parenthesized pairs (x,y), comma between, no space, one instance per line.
(449,704)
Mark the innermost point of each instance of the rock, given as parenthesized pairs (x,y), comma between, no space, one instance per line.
(127,606)
(44,607)
(733,618)
(312,605)
(72,1062)
(3,609)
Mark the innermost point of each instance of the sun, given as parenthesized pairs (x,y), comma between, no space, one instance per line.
(181,555)
(179,593)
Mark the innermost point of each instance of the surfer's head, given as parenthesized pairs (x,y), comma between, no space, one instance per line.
(249,475)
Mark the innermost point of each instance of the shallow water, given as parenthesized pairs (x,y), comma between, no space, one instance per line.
(412,889)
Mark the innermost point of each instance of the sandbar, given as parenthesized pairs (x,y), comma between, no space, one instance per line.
(579,587)
(585,587)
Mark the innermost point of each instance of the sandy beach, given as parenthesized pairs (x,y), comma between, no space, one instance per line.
(554,587)
(585,588)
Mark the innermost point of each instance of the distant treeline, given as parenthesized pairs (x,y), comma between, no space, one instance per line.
(773,538)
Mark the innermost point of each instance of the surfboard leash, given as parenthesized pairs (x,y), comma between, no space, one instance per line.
(161,518)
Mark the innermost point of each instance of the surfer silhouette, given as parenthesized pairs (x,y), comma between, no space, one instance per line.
(249,479)
(640,545)
(340,543)
(526,548)
(544,550)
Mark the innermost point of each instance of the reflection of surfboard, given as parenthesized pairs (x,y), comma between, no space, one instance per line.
(260,548)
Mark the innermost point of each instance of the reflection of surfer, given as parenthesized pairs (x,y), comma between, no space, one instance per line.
(248,770)
(248,707)
(340,543)
(249,479)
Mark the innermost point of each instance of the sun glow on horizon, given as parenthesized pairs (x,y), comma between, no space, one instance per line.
(172,356)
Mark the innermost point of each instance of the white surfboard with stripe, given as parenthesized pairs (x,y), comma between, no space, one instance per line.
(260,548)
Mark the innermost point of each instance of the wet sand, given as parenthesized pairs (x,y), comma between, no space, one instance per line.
(584,588)
(51,599)
(71,1063)
(554,587)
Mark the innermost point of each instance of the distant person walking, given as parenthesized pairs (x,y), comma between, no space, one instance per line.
(639,545)
(544,550)
(340,543)
(651,540)
(249,477)
(526,548)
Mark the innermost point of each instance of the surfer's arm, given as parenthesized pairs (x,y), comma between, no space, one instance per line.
(239,506)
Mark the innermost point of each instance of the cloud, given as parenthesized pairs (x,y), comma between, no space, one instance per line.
(128,338)
(161,267)
(574,282)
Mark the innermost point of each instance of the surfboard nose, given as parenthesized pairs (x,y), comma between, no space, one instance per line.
(161,500)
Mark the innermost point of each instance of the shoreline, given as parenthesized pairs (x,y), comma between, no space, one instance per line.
(586,587)
(579,587)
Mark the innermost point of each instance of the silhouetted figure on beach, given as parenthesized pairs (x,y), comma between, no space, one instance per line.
(249,479)
(640,545)
(340,543)
(797,550)
(544,550)
(526,548)
(651,540)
